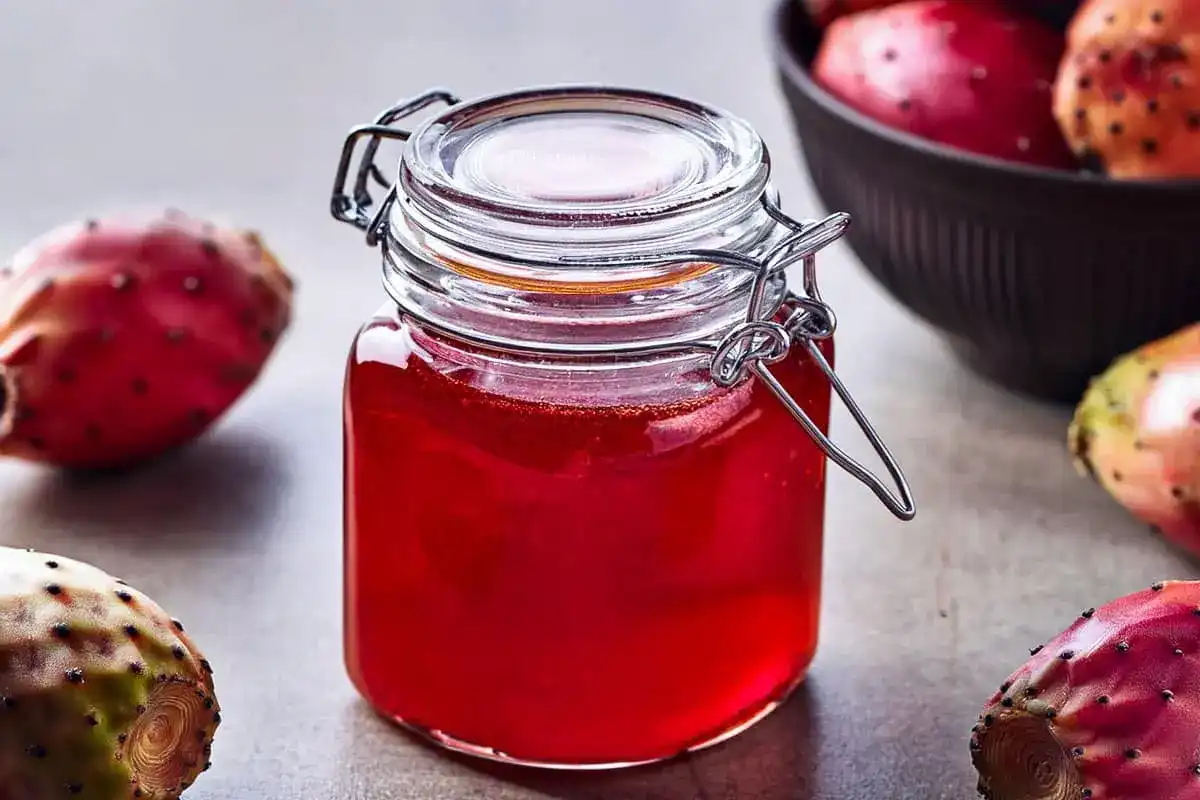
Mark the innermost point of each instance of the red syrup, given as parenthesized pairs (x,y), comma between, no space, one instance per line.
(575,584)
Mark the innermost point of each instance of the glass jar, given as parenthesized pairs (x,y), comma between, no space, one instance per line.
(585,438)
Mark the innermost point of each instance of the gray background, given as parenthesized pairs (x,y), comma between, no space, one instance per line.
(238,108)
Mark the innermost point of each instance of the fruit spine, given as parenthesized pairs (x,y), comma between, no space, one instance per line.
(1107,710)
(102,695)
(120,341)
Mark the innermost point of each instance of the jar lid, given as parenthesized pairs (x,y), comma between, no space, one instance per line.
(578,165)
(545,180)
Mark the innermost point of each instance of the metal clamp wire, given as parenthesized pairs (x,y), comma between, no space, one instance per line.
(750,347)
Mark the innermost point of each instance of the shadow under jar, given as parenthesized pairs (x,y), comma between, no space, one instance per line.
(585,438)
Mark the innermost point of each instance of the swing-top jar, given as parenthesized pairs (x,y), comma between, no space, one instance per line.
(586,435)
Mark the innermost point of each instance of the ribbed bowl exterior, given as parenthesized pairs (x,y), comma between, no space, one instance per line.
(1037,279)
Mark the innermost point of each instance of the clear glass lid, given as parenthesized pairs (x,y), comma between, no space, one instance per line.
(580,165)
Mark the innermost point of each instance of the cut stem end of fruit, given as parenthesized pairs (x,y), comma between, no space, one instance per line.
(166,748)
(1018,757)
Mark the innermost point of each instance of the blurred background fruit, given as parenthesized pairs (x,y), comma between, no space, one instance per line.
(970,75)
(1037,275)
(1137,433)
(1128,96)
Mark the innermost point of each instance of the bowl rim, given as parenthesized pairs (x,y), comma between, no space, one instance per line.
(798,74)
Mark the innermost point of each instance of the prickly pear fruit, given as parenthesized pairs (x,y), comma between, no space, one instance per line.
(976,76)
(102,695)
(1107,710)
(120,341)
(1128,94)
(1137,433)
(824,12)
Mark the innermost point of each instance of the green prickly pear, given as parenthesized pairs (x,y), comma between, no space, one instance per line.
(1137,433)
(102,694)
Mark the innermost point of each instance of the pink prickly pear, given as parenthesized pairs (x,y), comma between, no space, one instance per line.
(120,341)
(1108,710)
(976,76)
(1137,433)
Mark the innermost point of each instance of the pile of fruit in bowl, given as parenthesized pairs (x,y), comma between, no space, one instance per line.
(1022,173)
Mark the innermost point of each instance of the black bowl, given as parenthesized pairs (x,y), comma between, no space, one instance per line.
(1036,278)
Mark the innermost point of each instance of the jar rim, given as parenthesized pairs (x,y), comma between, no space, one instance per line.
(746,348)
(641,170)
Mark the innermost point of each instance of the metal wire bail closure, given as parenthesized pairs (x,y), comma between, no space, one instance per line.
(749,348)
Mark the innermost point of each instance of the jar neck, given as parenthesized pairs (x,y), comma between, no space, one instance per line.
(586,301)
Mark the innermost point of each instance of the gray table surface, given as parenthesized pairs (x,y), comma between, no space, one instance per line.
(238,108)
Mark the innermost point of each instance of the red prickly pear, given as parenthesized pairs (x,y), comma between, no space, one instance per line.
(120,341)
(824,12)
(1137,433)
(976,76)
(1127,95)
(1106,710)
